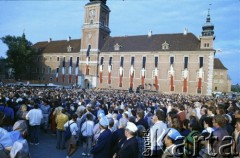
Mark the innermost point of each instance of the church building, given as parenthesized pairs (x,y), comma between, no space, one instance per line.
(167,63)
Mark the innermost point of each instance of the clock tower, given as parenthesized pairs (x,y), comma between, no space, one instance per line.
(96,26)
(95,29)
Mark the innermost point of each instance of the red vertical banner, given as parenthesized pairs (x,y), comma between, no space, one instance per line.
(70,78)
(131,81)
(109,77)
(76,79)
(120,82)
(156,82)
(171,83)
(120,75)
(63,77)
(143,77)
(185,85)
(100,77)
(199,85)
(87,69)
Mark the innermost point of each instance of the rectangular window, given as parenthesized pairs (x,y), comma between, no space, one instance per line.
(58,59)
(132,61)
(57,71)
(77,62)
(200,62)
(63,63)
(70,64)
(121,61)
(110,61)
(144,62)
(88,50)
(185,62)
(101,60)
(156,62)
(49,70)
(171,60)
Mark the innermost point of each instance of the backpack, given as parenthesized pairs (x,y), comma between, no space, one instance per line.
(68,132)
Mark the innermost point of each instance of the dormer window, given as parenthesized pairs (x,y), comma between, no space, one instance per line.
(165,46)
(69,48)
(117,47)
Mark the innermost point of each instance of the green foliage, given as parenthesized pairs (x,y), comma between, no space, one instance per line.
(235,88)
(19,55)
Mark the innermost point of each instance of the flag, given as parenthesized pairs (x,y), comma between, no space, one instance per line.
(70,70)
(76,70)
(131,76)
(171,78)
(156,78)
(87,66)
(171,83)
(87,59)
(63,70)
(57,71)
(121,75)
(185,75)
(143,76)
(200,76)
(109,74)
(100,77)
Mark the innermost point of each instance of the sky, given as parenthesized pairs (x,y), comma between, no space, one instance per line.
(44,19)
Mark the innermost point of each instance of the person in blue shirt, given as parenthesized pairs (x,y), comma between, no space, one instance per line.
(9,114)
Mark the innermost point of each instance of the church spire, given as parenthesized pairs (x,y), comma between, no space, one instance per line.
(208,27)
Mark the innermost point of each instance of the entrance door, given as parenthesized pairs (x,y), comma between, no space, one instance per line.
(86,84)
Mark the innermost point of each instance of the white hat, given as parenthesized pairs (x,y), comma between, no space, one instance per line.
(104,121)
(131,127)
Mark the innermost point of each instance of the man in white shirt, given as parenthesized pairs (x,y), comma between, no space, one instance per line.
(34,116)
(157,132)
(72,144)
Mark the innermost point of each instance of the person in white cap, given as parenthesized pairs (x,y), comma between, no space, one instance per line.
(129,148)
(103,145)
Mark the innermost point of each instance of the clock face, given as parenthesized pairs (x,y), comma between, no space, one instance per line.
(91,14)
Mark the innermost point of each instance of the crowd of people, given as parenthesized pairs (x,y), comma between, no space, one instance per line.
(119,124)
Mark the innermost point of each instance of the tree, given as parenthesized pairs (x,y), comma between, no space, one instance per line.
(19,55)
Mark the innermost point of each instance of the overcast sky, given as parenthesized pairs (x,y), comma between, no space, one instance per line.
(40,20)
